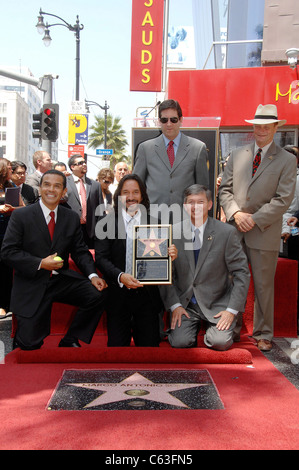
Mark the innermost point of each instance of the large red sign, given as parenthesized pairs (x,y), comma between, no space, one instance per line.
(234,94)
(146,45)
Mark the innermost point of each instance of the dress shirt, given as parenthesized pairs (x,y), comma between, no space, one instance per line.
(46,212)
(77,183)
(264,150)
(176,142)
(127,218)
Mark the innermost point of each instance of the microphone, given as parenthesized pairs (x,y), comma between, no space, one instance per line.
(144,119)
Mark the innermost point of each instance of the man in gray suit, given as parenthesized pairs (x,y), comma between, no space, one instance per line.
(173,161)
(84,195)
(42,163)
(210,279)
(257,187)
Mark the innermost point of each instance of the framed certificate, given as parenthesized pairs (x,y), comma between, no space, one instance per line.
(151,262)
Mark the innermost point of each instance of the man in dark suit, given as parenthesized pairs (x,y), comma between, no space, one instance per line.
(211,276)
(18,176)
(130,306)
(31,248)
(84,195)
(173,161)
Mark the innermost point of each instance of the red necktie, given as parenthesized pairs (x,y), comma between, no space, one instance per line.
(83,201)
(256,161)
(170,153)
(51,224)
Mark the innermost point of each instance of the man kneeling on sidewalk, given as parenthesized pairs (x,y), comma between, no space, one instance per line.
(210,279)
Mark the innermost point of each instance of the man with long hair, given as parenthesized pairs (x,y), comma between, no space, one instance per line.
(131,306)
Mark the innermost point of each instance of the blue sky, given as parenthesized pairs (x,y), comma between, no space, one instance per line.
(105,52)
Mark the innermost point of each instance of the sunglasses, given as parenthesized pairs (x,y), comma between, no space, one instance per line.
(82,162)
(107,182)
(164,120)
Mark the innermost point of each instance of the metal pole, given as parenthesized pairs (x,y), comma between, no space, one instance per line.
(105,137)
(165,45)
(77,60)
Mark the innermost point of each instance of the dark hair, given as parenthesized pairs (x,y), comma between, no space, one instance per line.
(197,189)
(170,104)
(292,149)
(59,164)
(16,164)
(54,172)
(145,200)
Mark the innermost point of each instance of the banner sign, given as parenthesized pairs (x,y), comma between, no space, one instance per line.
(146,45)
(218,93)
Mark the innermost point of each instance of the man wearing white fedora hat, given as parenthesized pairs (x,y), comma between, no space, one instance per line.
(257,187)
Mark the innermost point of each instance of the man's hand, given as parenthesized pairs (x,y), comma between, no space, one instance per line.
(292,221)
(244,221)
(173,252)
(285,236)
(99,283)
(176,317)
(129,281)
(226,319)
(49,264)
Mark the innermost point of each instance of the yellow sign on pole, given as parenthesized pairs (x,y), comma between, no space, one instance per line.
(78,129)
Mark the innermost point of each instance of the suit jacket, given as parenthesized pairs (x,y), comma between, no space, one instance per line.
(165,184)
(29,194)
(27,241)
(93,197)
(34,180)
(110,253)
(221,276)
(266,196)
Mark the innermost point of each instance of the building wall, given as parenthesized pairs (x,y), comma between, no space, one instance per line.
(281,30)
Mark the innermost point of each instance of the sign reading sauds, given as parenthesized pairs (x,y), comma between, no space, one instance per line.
(146,45)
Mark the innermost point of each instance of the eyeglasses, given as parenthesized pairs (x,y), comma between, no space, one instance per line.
(82,162)
(164,120)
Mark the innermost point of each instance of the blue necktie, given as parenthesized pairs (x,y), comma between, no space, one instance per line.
(196,250)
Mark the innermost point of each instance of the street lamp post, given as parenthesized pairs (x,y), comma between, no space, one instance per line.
(105,108)
(43,28)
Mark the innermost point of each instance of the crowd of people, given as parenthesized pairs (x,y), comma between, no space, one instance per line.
(59,210)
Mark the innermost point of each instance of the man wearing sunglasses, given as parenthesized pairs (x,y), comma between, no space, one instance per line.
(173,161)
(83,196)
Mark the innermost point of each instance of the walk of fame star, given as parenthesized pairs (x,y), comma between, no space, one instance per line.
(136,385)
(152,244)
(97,390)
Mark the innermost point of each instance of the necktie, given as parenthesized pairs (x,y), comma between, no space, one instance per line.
(51,224)
(256,161)
(82,191)
(129,246)
(170,153)
(196,250)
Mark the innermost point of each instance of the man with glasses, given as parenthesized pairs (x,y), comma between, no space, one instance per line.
(18,176)
(173,161)
(84,195)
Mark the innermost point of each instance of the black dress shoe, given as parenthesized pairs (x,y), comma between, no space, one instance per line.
(65,343)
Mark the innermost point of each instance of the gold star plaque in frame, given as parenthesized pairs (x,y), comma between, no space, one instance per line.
(151,262)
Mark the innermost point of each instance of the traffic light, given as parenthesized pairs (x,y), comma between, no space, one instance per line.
(37,125)
(49,124)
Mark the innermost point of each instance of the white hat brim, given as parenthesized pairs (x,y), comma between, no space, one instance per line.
(280,122)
